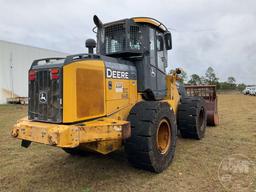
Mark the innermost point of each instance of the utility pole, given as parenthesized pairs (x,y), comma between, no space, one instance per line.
(11,75)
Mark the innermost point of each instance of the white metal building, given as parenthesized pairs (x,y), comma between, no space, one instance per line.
(15,61)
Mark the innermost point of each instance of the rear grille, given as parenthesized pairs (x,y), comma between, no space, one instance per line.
(45,97)
(89,92)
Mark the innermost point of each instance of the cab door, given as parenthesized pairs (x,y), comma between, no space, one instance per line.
(158,62)
(161,56)
(152,75)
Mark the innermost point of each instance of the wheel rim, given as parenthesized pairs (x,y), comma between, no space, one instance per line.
(163,136)
(201,119)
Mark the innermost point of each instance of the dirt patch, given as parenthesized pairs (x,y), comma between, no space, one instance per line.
(195,166)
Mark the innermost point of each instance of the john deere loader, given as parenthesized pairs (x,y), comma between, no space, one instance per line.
(118,96)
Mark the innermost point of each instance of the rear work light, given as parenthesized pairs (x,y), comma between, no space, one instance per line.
(54,73)
(32,75)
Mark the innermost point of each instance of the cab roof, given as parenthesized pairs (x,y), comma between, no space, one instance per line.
(151,21)
(147,20)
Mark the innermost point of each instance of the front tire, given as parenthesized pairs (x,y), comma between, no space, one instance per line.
(153,137)
(192,117)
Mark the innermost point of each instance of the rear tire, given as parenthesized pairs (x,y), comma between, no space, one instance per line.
(192,117)
(153,136)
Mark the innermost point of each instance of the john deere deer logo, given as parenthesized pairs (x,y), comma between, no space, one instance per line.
(42,97)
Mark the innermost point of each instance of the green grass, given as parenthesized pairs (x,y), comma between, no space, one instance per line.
(195,166)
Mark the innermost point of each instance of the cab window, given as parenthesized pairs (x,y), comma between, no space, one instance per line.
(160,51)
(152,53)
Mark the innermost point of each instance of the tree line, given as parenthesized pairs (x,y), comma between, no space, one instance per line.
(210,78)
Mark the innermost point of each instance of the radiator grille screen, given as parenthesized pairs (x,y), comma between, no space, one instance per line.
(90,92)
(45,98)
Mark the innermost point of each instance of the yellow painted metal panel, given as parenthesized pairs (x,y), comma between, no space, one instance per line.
(172,96)
(119,89)
(104,147)
(117,97)
(103,129)
(133,96)
(82,90)
(121,95)
(90,92)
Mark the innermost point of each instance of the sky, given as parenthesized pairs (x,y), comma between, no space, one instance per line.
(216,33)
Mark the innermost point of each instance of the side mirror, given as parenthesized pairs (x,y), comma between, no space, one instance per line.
(168,40)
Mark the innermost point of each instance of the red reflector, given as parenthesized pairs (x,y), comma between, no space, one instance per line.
(32,78)
(55,71)
(54,76)
(32,75)
(32,72)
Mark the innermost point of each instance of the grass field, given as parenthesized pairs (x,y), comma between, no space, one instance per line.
(195,166)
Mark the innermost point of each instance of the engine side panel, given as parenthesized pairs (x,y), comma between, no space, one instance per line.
(97,88)
(121,88)
(83,90)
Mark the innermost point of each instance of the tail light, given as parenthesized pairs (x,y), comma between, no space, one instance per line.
(54,73)
(32,75)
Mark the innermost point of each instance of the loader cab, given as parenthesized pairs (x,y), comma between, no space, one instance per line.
(142,41)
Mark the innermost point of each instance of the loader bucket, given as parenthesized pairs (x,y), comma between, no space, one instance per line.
(208,92)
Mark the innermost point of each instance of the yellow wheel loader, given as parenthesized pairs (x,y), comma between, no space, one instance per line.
(118,96)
